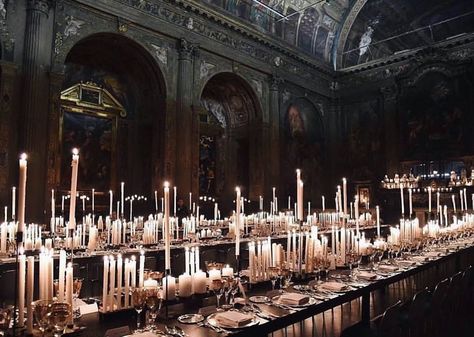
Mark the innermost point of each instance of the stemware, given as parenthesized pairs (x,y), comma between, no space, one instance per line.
(76,291)
(5,319)
(235,288)
(41,311)
(138,300)
(217,286)
(227,288)
(153,302)
(59,316)
(273,273)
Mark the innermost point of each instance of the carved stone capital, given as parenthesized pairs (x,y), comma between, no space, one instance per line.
(389,92)
(275,82)
(186,49)
(42,6)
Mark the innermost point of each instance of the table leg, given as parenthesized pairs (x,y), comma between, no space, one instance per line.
(366,308)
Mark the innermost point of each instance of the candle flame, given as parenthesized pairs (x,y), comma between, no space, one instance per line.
(166,184)
(75,151)
(23,156)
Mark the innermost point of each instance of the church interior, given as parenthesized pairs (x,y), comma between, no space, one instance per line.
(280,168)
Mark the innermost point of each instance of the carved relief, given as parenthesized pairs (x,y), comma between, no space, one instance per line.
(205,69)
(161,53)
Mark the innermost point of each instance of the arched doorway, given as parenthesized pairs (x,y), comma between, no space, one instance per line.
(228,156)
(302,148)
(118,69)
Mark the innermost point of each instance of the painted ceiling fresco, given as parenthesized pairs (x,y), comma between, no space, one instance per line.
(377,28)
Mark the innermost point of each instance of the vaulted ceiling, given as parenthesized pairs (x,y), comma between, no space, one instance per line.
(351,32)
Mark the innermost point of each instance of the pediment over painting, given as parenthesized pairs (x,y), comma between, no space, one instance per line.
(91,96)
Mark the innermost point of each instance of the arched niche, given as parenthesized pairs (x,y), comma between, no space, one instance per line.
(302,147)
(125,73)
(436,115)
(228,151)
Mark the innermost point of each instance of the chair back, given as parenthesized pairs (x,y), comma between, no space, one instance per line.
(390,322)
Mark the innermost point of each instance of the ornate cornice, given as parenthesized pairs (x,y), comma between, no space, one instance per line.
(202,19)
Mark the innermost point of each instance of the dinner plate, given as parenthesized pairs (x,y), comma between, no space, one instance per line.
(191,318)
(276,300)
(302,287)
(259,299)
(212,321)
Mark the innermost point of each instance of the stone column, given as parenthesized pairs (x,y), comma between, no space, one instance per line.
(184,119)
(34,125)
(8,134)
(392,139)
(273,174)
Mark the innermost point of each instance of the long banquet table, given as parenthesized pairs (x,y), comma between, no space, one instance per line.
(460,255)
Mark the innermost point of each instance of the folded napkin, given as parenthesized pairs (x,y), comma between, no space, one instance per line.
(432,254)
(387,268)
(365,275)
(293,299)
(333,286)
(406,263)
(234,319)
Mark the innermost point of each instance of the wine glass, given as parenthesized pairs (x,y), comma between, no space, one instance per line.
(5,319)
(138,299)
(227,288)
(235,288)
(153,302)
(41,310)
(217,287)
(273,274)
(76,291)
(59,316)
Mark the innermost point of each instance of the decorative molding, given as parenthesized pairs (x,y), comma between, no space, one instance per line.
(6,41)
(186,49)
(161,53)
(275,82)
(346,29)
(42,6)
(205,69)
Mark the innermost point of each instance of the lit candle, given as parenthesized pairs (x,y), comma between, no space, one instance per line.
(166,225)
(21,278)
(377,211)
(127,284)
(344,191)
(454,202)
(93,202)
(111,199)
(119,279)
(111,300)
(29,293)
(142,269)
(323,203)
(105,284)
(402,201)
(52,204)
(465,200)
(72,203)
(22,193)
(62,272)
(199,282)
(429,199)
(190,200)
(175,192)
(13,202)
(437,201)
(122,196)
(156,201)
(169,288)
(185,285)
(237,221)
(69,283)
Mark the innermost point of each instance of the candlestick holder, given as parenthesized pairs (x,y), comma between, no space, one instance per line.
(167,275)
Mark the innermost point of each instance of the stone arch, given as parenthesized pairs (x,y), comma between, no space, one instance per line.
(131,74)
(302,146)
(237,146)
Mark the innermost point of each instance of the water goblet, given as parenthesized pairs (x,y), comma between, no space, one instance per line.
(138,300)
(59,316)
(153,302)
(41,310)
(217,287)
